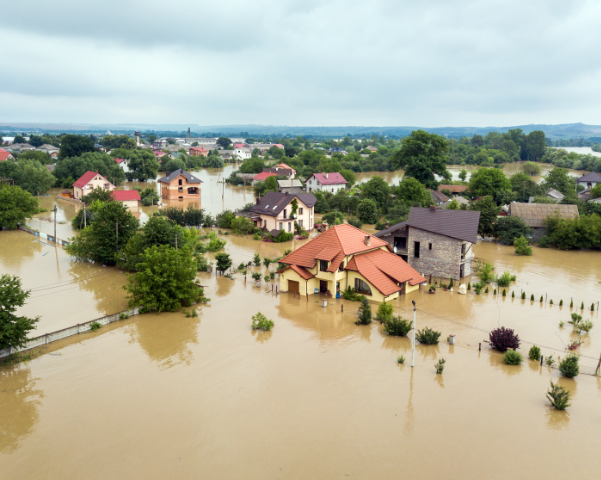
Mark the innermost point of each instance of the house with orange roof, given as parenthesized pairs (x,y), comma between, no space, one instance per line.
(5,155)
(88,182)
(345,256)
(198,152)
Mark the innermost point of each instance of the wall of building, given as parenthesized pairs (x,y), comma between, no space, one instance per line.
(313,185)
(97,181)
(306,219)
(172,192)
(443,260)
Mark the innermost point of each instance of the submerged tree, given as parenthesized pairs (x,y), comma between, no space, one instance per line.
(13,328)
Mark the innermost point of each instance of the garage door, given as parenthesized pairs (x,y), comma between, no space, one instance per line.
(293,287)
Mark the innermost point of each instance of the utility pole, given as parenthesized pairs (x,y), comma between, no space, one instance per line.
(55,209)
(413,339)
(85,224)
(176,241)
(117,237)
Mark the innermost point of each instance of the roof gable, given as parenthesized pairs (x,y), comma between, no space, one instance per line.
(87,178)
(332,178)
(176,173)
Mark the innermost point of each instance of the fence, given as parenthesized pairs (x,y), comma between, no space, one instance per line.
(67,332)
(45,236)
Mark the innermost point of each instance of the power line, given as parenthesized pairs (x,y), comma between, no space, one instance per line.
(64,283)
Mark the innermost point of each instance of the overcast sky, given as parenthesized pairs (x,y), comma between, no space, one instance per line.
(302,62)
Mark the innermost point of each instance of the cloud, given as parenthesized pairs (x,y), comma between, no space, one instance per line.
(431,63)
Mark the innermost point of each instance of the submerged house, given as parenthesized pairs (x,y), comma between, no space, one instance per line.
(436,241)
(273,212)
(535,214)
(129,198)
(88,182)
(346,256)
(589,180)
(180,185)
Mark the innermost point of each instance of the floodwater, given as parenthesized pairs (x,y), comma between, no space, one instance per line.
(581,150)
(163,396)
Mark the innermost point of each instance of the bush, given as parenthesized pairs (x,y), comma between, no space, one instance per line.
(223,262)
(401,359)
(478,287)
(257,260)
(509,229)
(398,326)
(283,237)
(224,219)
(384,312)
(505,279)
(486,274)
(266,278)
(569,366)
(355,222)
(503,339)
(428,336)
(532,297)
(368,211)
(261,322)
(558,396)
(585,326)
(215,243)
(350,294)
(534,353)
(439,366)
(523,295)
(95,326)
(242,226)
(511,357)
(364,313)
(256,276)
(544,242)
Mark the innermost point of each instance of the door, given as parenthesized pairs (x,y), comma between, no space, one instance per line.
(323,286)
(461,272)
(293,287)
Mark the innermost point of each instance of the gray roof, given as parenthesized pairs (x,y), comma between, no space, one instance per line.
(386,231)
(590,177)
(274,202)
(170,176)
(438,197)
(554,194)
(535,214)
(289,183)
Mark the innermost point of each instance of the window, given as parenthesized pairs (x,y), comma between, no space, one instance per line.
(323,265)
(429,246)
(300,211)
(300,222)
(180,182)
(264,223)
(362,287)
(416,249)
(332,190)
(341,266)
(284,213)
(289,226)
(281,226)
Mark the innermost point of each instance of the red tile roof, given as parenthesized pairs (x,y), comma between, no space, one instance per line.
(304,273)
(125,195)
(86,178)
(118,160)
(263,175)
(283,165)
(4,154)
(340,238)
(332,178)
(384,270)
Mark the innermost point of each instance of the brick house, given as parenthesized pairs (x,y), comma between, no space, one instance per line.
(273,212)
(436,241)
(88,182)
(179,185)
(198,152)
(345,256)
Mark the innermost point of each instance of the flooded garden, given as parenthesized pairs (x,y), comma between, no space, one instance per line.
(164,395)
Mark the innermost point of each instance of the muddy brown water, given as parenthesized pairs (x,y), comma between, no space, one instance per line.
(318,397)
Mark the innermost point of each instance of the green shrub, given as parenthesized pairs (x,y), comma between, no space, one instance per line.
(95,326)
(585,326)
(261,322)
(398,326)
(486,274)
(364,313)
(522,247)
(561,303)
(267,262)
(257,260)
(575,319)
(384,313)
(439,366)
(592,307)
(523,295)
(428,336)
(571,303)
(541,299)
(486,291)
(512,294)
(534,353)
(256,276)
(266,278)
(504,293)
(505,279)
(551,302)
(549,361)
(350,294)
(469,285)
(582,306)
(569,366)
(478,287)
(544,242)
(511,357)
(401,359)
(532,297)
(558,396)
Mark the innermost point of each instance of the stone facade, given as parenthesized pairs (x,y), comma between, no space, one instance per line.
(439,255)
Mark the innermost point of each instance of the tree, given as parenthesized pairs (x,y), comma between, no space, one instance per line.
(531,168)
(113,226)
(118,141)
(524,187)
(364,312)
(19,139)
(507,229)
(521,246)
(35,141)
(271,184)
(223,262)
(378,190)
(223,142)
(75,167)
(13,328)
(142,165)
(242,225)
(349,176)
(29,174)
(97,194)
(423,155)
(488,181)
(252,165)
(489,210)
(224,219)
(149,196)
(151,138)
(534,146)
(75,146)
(41,157)
(463,174)
(411,192)
(165,280)
(16,205)
(368,211)
(453,205)
(560,180)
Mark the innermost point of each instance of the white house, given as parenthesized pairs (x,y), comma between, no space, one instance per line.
(589,180)
(325,182)
(122,164)
(243,153)
(88,181)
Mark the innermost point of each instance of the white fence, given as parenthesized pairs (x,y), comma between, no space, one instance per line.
(67,332)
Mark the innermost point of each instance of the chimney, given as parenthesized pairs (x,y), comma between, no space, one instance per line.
(432,208)
(387,224)
(167,174)
(367,240)
(257,200)
(325,175)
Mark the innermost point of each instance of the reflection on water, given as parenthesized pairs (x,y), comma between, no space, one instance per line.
(14,251)
(224,285)
(19,401)
(261,336)
(167,337)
